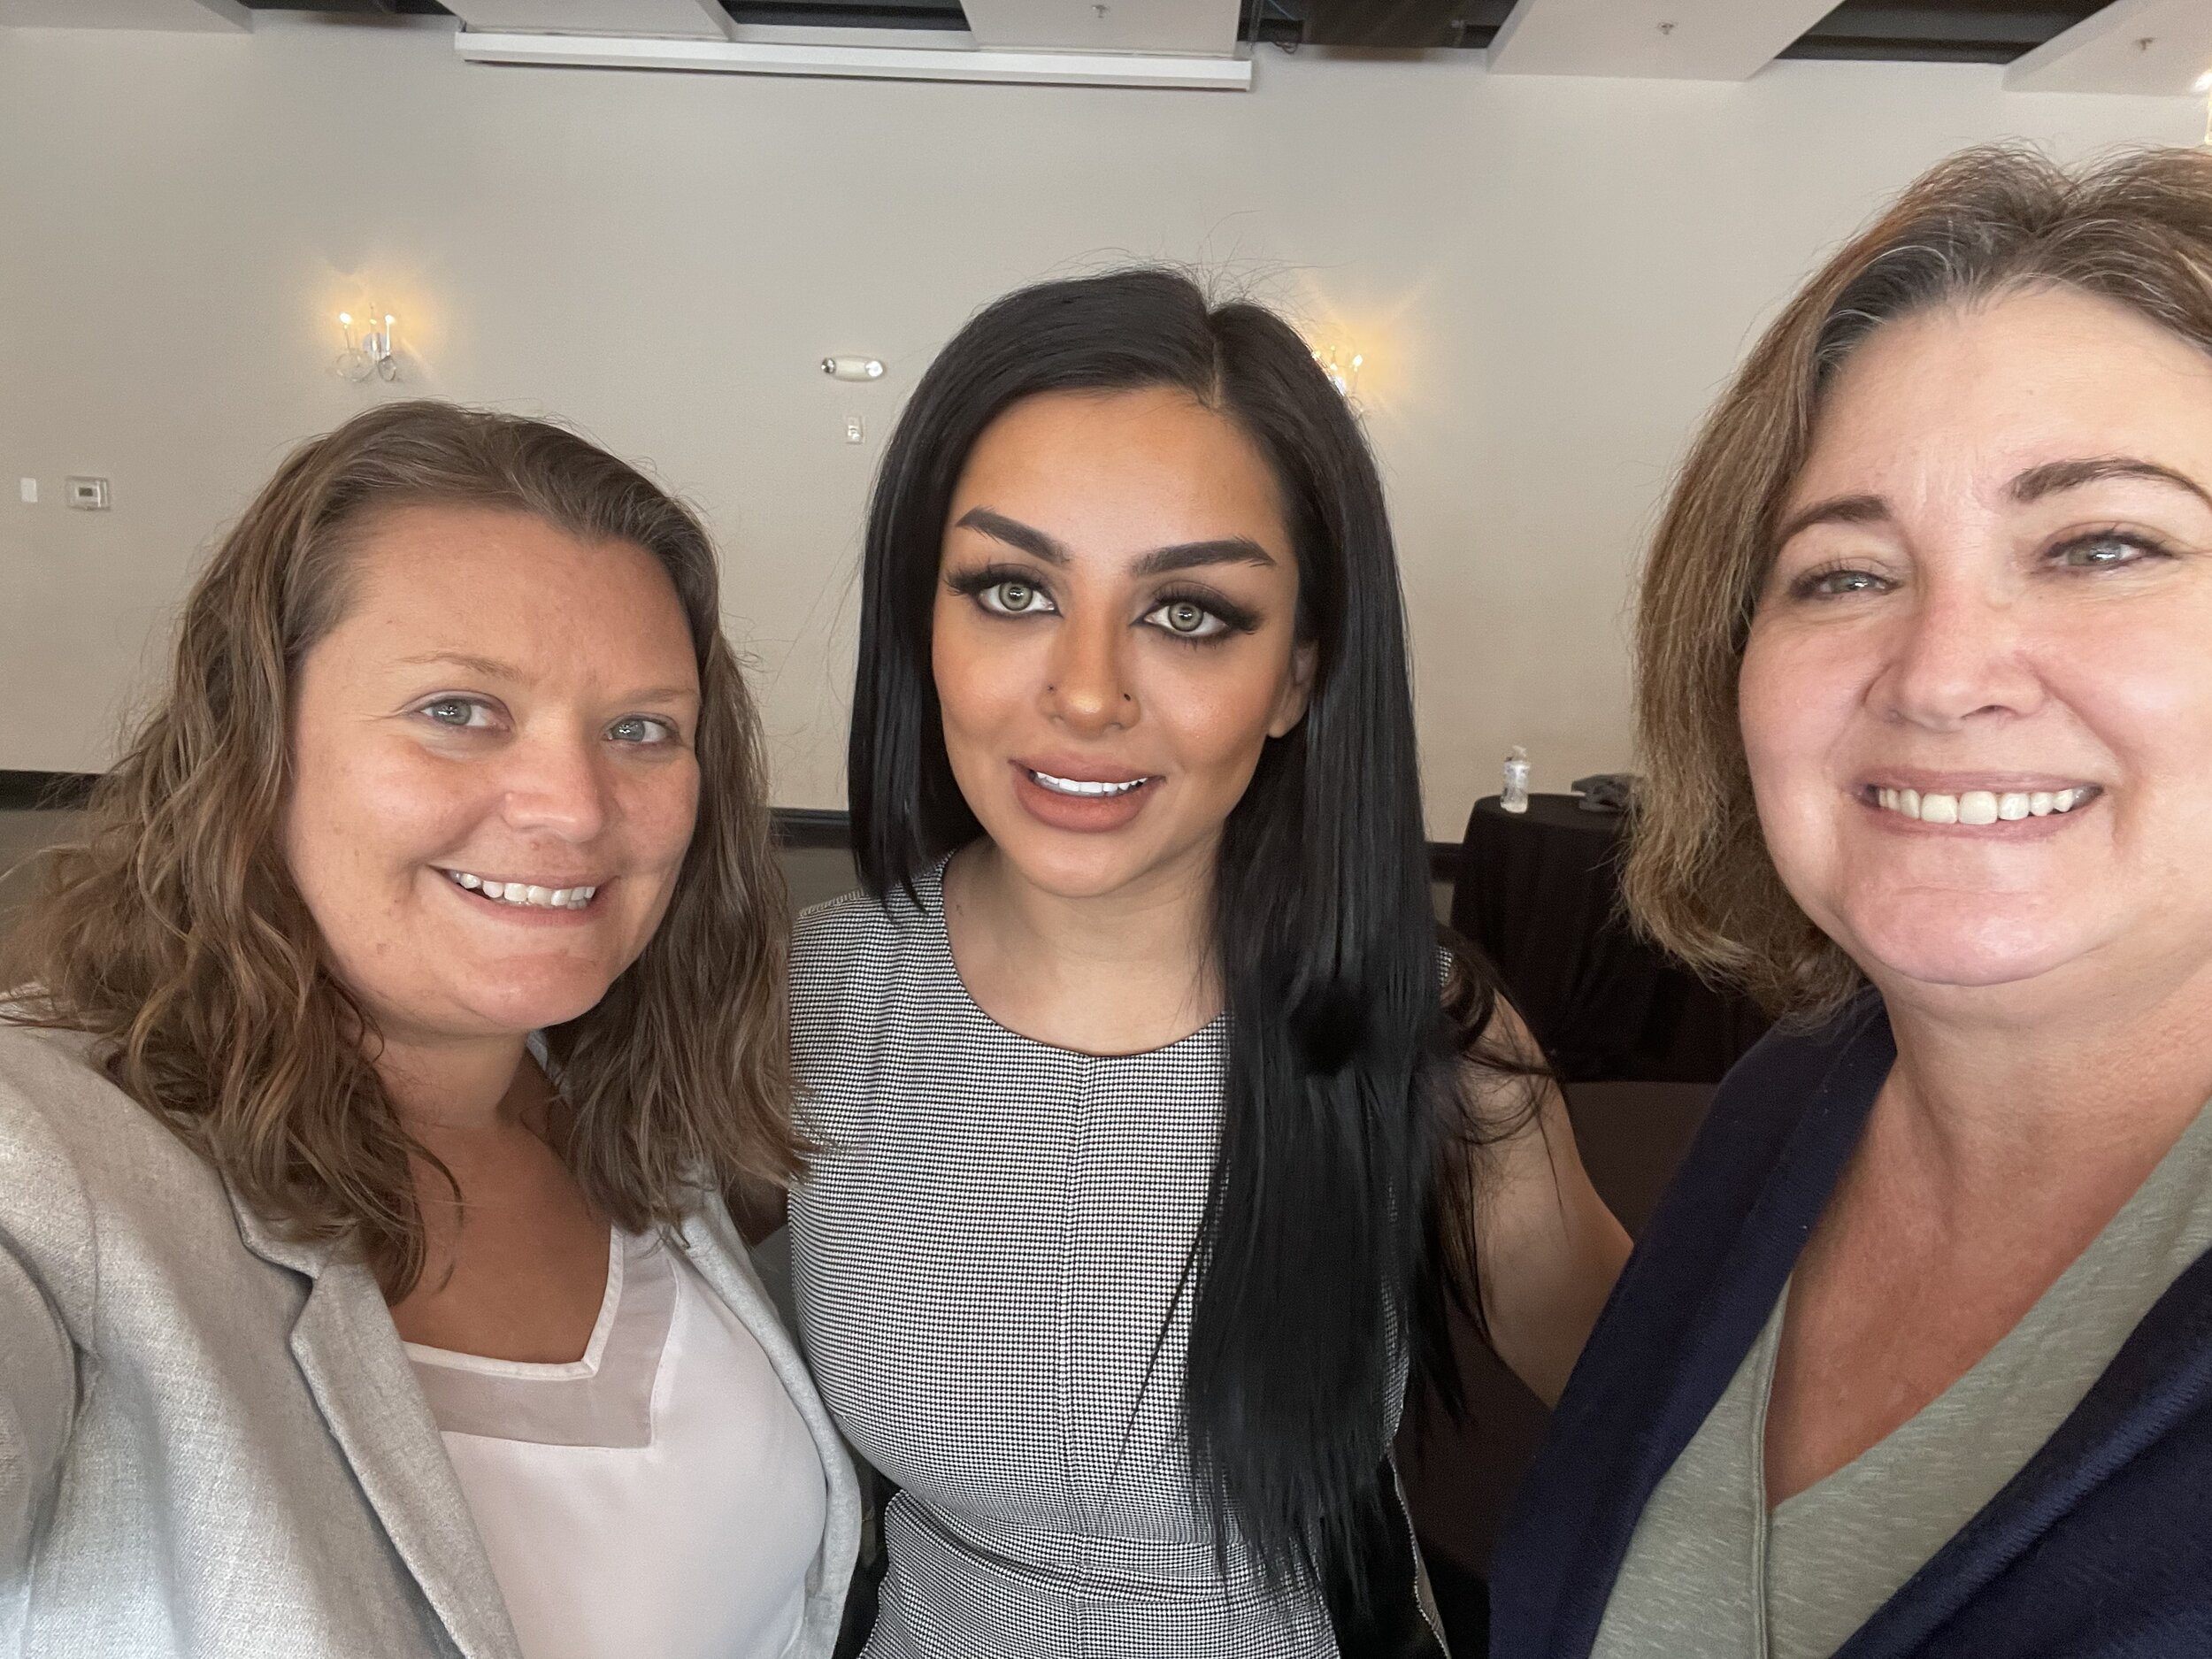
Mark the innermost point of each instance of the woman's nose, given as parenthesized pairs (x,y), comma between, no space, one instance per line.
(555,783)
(1089,691)
(1962,652)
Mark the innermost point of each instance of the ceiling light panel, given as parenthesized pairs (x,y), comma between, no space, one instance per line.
(1206,29)
(655,20)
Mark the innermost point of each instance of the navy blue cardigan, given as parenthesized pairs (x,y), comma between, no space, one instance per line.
(2100,1546)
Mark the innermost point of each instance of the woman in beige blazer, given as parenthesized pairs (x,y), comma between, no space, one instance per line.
(376,1078)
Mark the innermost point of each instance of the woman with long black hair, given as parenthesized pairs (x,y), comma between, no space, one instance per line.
(1154,1132)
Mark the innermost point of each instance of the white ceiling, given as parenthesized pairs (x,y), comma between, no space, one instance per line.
(190,16)
(1668,39)
(2141,46)
(662,19)
(1206,28)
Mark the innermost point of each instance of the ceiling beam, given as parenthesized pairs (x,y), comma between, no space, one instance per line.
(1665,40)
(175,17)
(1201,29)
(2139,46)
(663,19)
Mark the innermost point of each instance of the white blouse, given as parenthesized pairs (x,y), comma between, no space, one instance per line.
(660,1495)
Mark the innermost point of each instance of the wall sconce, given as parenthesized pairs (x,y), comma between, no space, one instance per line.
(853,368)
(370,354)
(1343,371)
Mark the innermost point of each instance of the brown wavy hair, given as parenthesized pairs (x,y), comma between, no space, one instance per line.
(174,934)
(2135,229)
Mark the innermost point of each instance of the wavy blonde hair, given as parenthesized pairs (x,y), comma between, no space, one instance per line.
(174,934)
(2135,230)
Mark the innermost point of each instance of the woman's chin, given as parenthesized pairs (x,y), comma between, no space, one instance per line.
(1960,946)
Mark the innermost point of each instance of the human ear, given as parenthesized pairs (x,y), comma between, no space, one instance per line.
(1290,703)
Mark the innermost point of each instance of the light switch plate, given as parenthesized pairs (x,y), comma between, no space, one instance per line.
(29,487)
(88,495)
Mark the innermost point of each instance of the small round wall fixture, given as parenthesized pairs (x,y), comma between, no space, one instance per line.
(853,368)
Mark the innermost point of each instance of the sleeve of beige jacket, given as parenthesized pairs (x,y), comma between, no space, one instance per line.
(37,1394)
(42,1206)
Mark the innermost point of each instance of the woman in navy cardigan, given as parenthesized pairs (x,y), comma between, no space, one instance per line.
(1916,1358)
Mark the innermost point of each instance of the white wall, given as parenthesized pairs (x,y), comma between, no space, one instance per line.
(1548,278)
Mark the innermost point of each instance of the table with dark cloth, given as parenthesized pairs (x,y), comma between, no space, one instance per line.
(1539,892)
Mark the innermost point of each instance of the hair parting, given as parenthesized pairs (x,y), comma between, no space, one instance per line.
(1306,1287)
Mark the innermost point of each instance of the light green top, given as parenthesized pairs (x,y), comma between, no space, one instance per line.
(1711,1572)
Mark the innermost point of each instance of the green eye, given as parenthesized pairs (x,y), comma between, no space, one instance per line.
(1016,597)
(1186,617)
(2101,554)
(451,711)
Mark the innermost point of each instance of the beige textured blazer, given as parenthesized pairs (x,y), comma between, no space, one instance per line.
(211,1439)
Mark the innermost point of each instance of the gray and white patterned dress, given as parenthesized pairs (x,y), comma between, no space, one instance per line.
(982,1259)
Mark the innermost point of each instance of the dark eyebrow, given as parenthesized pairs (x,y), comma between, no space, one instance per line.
(1014,533)
(1836,510)
(1183,555)
(2053,476)
(1186,555)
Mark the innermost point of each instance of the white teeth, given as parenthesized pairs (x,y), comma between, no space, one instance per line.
(523,892)
(1076,785)
(1980,806)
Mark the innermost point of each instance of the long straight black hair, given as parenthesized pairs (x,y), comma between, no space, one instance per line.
(1306,1279)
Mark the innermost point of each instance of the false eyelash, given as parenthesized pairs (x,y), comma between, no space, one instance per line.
(1235,617)
(969,583)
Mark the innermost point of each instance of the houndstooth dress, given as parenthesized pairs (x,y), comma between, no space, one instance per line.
(982,1260)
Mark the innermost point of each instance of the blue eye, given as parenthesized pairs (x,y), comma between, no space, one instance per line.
(1837,583)
(639,728)
(2105,552)
(458,712)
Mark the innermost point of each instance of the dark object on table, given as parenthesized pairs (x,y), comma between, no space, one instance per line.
(1539,894)
(1606,791)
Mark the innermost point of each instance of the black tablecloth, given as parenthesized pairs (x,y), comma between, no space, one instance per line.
(1539,892)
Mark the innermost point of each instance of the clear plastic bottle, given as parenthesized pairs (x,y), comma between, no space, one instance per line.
(1514,796)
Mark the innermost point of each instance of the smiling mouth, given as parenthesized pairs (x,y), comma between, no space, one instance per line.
(524,895)
(1084,789)
(1977,807)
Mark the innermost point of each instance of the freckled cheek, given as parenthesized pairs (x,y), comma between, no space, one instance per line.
(408,809)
